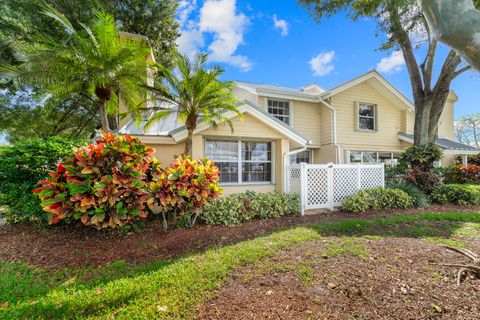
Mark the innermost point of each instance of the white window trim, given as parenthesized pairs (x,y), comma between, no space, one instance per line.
(375,120)
(239,165)
(377,161)
(310,151)
(291,106)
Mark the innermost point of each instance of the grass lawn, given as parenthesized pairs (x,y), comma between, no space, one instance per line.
(175,289)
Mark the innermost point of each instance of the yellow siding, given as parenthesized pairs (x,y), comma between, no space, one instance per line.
(326,125)
(307,120)
(165,152)
(447,119)
(389,119)
(249,127)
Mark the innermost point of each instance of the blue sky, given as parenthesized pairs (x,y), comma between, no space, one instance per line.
(278,42)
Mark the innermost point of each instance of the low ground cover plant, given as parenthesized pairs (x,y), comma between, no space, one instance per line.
(233,209)
(377,199)
(461,194)
(22,165)
(421,200)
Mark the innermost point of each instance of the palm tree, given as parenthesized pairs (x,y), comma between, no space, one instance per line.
(95,59)
(197,93)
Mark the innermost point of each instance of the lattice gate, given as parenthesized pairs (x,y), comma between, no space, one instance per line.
(325,186)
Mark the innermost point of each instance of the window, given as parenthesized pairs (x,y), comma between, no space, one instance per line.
(280,109)
(241,161)
(372,157)
(302,157)
(366,117)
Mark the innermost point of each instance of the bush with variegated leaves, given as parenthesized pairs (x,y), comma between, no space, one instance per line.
(183,188)
(102,184)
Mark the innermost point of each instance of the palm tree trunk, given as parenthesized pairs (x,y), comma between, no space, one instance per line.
(103,114)
(188,144)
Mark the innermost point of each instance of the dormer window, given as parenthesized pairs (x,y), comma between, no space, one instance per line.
(280,109)
(366,117)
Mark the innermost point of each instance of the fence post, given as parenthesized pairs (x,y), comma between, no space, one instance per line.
(383,174)
(330,185)
(359,177)
(303,187)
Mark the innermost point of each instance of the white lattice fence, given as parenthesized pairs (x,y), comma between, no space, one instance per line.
(326,186)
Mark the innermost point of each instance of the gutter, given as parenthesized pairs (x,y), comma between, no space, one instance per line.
(286,164)
(334,112)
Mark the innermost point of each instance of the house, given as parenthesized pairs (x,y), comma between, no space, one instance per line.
(365,120)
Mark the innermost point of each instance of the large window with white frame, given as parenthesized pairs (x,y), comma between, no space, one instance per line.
(243,161)
(390,159)
(280,109)
(366,116)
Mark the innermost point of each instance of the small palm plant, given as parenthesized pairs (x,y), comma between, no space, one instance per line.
(197,93)
(95,59)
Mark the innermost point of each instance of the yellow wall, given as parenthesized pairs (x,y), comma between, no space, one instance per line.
(165,152)
(389,119)
(326,125)
(249,127)
(447,119)
(307,118)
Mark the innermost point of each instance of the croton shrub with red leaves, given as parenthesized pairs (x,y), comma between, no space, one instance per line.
(102,184)
(463,174)
(183,188)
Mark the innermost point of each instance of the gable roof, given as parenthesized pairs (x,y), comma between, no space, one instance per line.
(171,127)
(370,75)
(445,144)
(318,94)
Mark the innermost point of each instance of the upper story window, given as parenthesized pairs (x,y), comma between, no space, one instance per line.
(241,161)
(367,116)
(280,109)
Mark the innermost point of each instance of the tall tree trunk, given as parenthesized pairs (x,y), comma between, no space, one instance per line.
(103,114)
(191,124)
(103,94)
(188,144)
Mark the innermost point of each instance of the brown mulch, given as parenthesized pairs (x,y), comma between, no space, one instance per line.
(398,279)
(68,246)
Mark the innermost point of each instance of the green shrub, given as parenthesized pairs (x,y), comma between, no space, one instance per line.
(233,209)
(377,199)
(229,210)
(462,174)
(421,200)
(102,184)
(184,188)
(461,194)
(21,166)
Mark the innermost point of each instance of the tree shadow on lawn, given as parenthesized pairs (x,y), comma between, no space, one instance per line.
(426,225)
(182,284)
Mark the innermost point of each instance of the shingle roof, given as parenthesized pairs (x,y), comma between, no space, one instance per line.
(446,144)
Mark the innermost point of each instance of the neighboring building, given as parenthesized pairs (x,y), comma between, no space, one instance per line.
(365,120)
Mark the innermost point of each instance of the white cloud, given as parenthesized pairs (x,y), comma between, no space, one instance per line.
(322,64)
(280,24)
(220,18)
(393,63)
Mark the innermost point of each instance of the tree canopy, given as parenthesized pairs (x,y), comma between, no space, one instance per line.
(401,22)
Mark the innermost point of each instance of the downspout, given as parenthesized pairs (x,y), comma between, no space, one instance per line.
(286,164)
(329,106)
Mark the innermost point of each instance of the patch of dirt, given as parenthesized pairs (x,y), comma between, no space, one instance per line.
(70,246)
(338,278)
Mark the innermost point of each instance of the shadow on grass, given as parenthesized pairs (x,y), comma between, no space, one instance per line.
(173,289)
